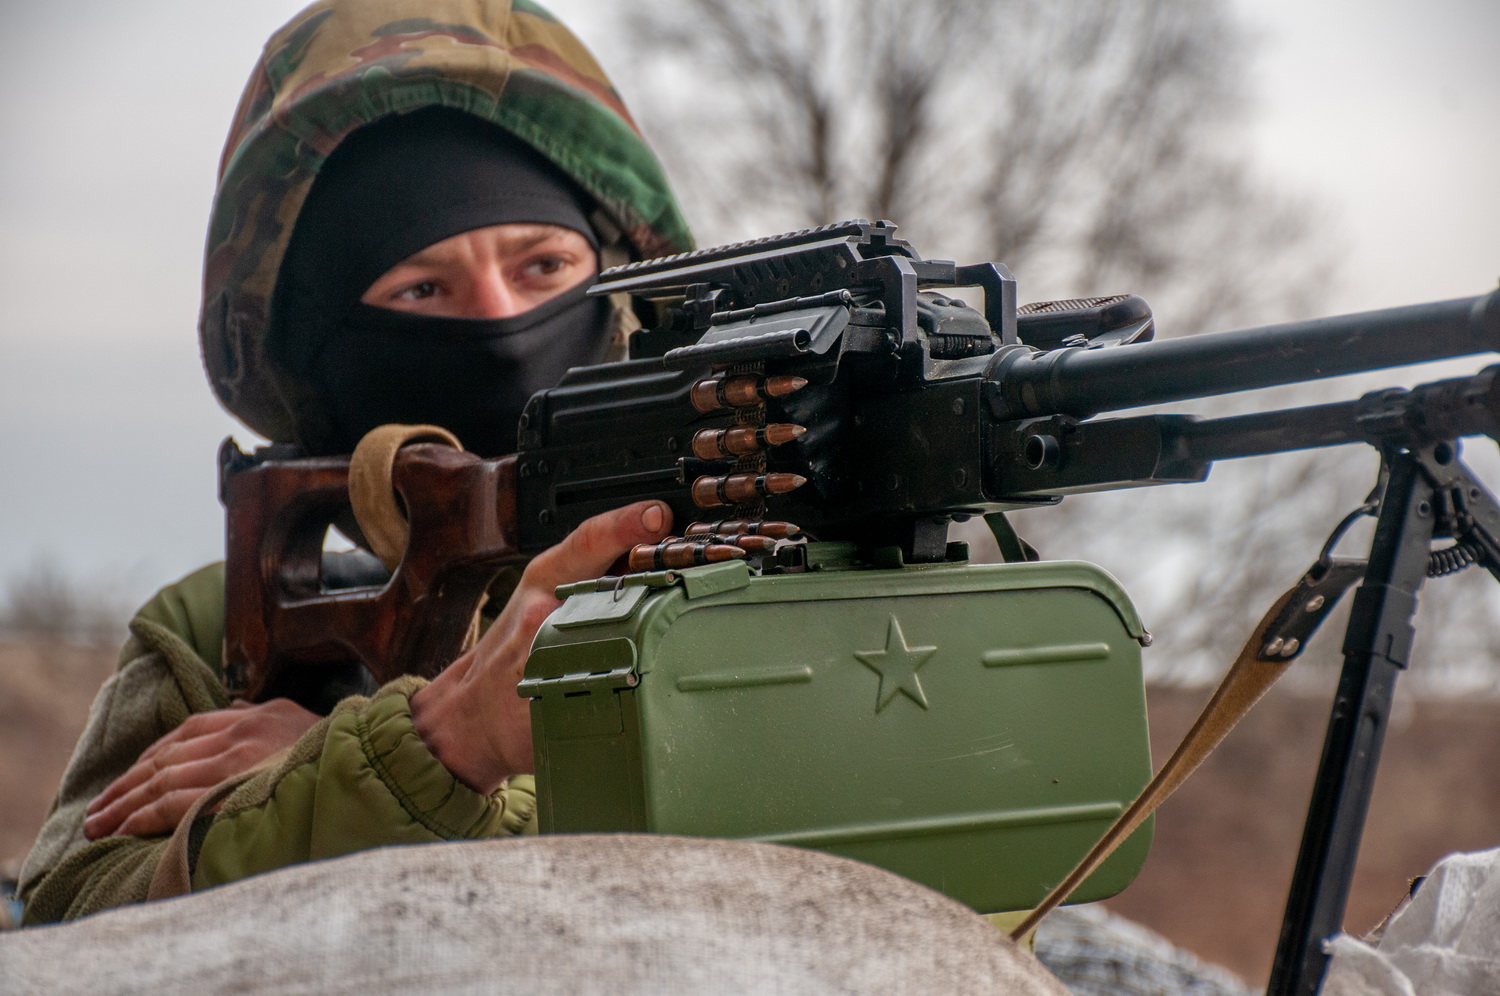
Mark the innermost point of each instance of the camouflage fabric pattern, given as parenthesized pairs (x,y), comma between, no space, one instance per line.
(341,64)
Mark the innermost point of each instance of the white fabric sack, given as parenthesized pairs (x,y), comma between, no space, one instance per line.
(1445,942)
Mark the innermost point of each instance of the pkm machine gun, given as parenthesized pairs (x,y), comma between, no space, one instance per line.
(902,408)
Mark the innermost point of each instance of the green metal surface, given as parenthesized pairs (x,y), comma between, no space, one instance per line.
(972,727)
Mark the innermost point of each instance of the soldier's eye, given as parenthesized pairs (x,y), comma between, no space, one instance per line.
(419,291)
(548,266)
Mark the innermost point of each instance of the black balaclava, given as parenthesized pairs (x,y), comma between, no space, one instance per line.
(392,188)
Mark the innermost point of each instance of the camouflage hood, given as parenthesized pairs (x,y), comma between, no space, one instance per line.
(342,64)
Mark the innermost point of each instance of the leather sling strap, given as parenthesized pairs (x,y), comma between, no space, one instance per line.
(1264,659)
(174,874)
(372,496)
(370,493)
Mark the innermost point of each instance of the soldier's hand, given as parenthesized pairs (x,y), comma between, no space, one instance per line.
(154,794)
(470,716)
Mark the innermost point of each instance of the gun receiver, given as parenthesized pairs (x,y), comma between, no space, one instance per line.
(917,409)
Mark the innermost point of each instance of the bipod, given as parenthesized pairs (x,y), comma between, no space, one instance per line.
(1429,495)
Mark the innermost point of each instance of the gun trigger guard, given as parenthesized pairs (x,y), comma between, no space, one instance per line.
(1314,597)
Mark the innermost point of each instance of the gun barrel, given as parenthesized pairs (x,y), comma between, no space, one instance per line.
(1084,382)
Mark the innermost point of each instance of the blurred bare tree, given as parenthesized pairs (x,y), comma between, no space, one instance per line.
(1094,147)
(1091,145)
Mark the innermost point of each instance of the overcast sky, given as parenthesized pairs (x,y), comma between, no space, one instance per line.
(111,128)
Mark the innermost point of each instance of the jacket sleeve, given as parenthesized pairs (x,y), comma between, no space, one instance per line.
(361,778)
(160,682)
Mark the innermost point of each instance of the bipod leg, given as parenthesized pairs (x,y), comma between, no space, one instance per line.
(1376,646)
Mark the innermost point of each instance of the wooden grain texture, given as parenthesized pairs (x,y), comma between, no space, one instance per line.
(462,515)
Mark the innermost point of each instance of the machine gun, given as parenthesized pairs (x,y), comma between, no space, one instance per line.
(917,409)
(829,384)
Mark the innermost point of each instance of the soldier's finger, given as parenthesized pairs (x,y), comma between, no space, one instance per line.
(198,776)
(160,757)
(598,542)
(198,725)
(162,816)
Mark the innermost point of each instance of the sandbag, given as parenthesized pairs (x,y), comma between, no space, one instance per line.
(1444,942)
(574,915)
(1098,953)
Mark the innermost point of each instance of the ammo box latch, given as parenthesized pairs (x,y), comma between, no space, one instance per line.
(579,683)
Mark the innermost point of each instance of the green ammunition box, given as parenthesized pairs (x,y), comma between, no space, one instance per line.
(971,727)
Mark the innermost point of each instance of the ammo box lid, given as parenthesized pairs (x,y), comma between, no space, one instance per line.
(591,603)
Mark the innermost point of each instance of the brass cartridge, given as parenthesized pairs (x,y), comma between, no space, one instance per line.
(750,544)
(742,391)
(736,489)
(717,444)
(731,527)
(674,553)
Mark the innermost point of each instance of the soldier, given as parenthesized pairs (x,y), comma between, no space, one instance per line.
(413,200)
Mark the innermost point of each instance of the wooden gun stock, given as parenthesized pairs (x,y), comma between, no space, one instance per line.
(283,623)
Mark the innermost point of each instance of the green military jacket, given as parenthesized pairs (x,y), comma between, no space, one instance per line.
(361,778)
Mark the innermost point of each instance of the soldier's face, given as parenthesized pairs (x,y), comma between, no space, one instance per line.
(499,271)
